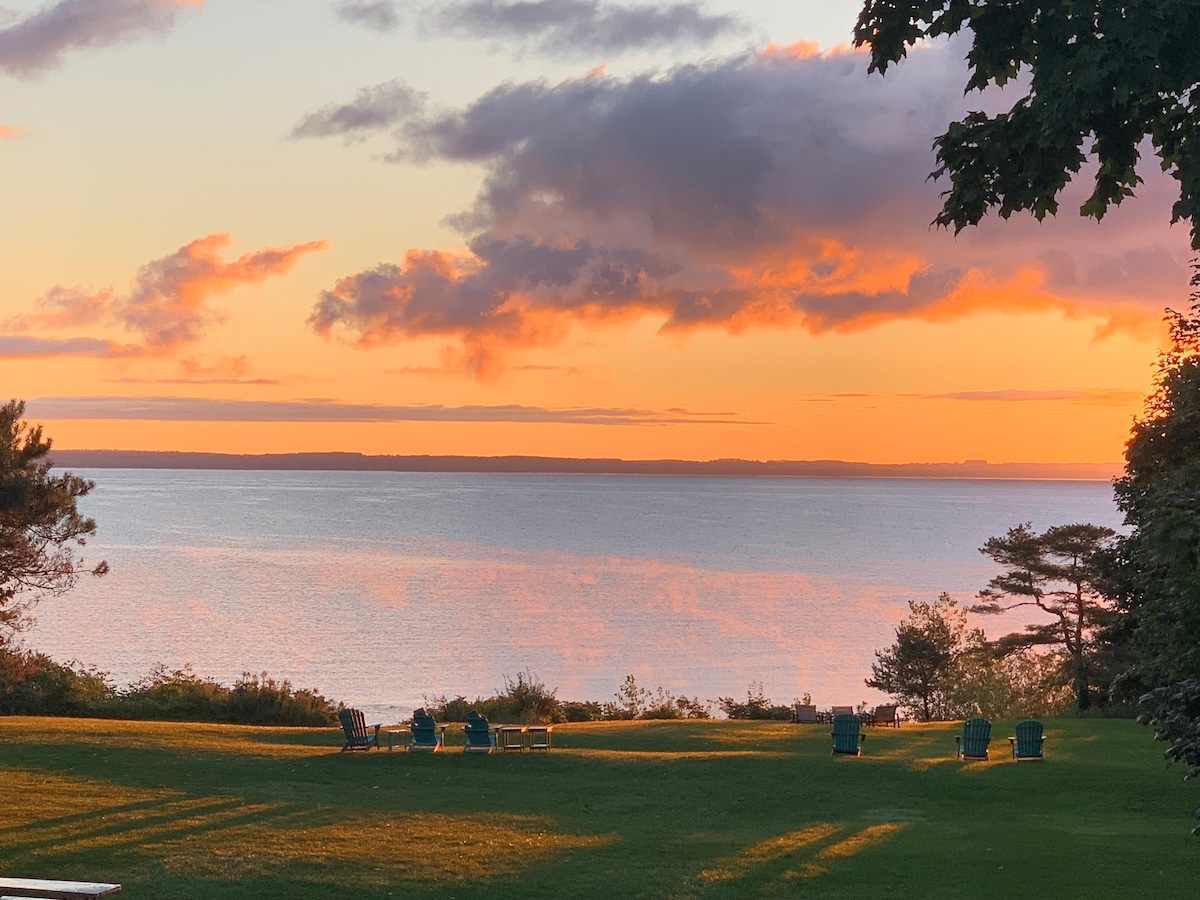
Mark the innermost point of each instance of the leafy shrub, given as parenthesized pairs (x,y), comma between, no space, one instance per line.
(1174,711)
(580,710)
(184,696)
(525,700)
(32,684)
(632,701)
(757,706)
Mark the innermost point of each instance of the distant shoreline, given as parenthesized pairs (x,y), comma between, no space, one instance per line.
(550,465)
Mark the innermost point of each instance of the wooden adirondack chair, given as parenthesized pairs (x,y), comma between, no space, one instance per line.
(973,742)
(847,735)
(359,736)
(479,735)
(1027,743)
(805,714)
(886,715)
(427,735)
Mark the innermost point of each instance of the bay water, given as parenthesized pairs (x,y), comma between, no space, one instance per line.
(382,589)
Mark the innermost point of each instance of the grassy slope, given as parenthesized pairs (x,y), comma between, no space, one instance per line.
(670,809)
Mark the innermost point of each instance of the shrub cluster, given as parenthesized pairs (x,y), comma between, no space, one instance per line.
(33,684)
(527,700)
(757,706)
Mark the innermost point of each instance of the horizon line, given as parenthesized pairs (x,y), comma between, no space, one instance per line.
(350,460)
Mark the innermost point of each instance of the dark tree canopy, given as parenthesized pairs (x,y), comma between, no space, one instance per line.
(1157,567)
(914,669)
(40,527)
(1056,572)
(1102,74)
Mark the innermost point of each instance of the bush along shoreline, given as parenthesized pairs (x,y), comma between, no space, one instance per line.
(32,684)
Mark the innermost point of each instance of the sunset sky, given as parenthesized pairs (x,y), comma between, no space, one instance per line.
(563,227)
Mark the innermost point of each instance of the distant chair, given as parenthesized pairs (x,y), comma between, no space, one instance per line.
(479,735)
(847,735)
(843,711)
(359,735)
(973,742)
(805,714)
(427,735)
(886,715)
(1027,743)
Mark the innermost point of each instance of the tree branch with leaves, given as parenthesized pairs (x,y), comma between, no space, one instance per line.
(1057,573)
(1102,73)
(42,532)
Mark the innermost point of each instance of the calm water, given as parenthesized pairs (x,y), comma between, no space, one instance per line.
(382,588)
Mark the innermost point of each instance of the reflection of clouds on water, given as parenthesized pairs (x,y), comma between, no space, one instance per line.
(369,626)
(382,588)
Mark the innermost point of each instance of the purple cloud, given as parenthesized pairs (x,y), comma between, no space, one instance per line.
(777,189)
(36,42)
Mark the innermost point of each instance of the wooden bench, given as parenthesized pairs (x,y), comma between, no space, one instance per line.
(47,889)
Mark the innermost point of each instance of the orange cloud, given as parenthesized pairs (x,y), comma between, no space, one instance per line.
(10,132)
(168,304)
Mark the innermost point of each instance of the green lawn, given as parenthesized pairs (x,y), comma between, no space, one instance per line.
(647,809)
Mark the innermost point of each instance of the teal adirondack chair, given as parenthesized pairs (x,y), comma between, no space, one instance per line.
(1027,744)
(847,735)
(359,735)
(479,736)
(973,742)
(427,735)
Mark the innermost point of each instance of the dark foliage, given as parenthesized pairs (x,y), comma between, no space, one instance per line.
(1155,571)
(1104,73)
(40,527)
(757,706)
(253,700)
(33,684)
(915,669)
(526,700)
(1056,572)
(1174,711)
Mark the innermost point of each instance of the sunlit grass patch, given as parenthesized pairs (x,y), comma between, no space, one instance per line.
(115,733)
(765,851)
(845,848)
(51,804)
(344,848)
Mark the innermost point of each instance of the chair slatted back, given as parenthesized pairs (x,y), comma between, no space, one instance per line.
(478,732)
(886,715)
(355,726)
(424,730)
(806,713)
(1029,740)
(843,710)
(977,734)
(847,734)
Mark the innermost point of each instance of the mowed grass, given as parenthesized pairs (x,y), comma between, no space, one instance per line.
(647,809)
